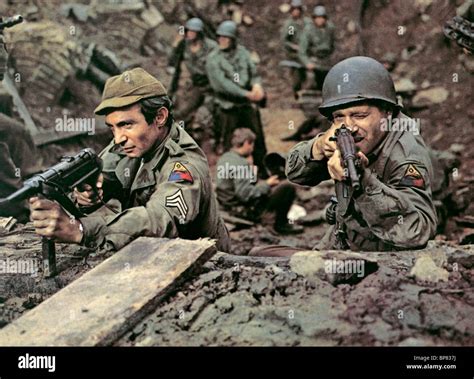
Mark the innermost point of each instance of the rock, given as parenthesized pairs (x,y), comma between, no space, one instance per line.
(414,341)
(255,57)
(152,16)
(426,84)
(456,148)
(247,20)
(425,18)
(284,8)
(209,277)
(335,267)
(383,332)
(351,27)
(437,254)
(404,85)
(422,5)
(425,269)
(80,11)
(428,97)
(463,258)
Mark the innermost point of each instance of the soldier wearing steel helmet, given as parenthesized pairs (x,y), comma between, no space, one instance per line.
(393,208)
(193,50)
(317,45)
(290,36)
(237,90)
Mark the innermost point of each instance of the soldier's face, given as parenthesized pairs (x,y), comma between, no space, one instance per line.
(365,122)
(132,132)
(191,35)
(224,42)
(320,21)
(296,12)
(247,148)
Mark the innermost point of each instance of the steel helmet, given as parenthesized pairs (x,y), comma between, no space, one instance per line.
(227,29)
(195,24)
(319,11)
(296,4)
(356,79)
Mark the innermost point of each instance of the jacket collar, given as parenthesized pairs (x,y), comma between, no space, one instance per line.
(142,170)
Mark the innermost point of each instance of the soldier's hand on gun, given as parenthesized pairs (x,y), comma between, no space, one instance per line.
(256,94)
(323,147)
(364,161)
(50,220)
(273,180)
(336,171)
(335,168)
(86,196)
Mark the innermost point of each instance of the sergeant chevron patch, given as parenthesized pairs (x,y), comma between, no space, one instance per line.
(177,201)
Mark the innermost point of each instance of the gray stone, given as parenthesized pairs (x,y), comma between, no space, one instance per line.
(428,97)
(425,269)
(336,267)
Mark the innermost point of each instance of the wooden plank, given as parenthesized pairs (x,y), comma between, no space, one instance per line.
(110,299)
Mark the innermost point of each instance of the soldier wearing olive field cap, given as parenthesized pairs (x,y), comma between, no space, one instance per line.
(153,167)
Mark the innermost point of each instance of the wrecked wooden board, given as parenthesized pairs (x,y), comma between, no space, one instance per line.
(103,304)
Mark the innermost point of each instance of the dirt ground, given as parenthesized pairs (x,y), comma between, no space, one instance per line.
(261,301)
(238,300)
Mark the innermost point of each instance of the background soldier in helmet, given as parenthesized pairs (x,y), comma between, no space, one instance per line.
(193,50)
(290,36)
(317,45)
(237,89)
(393,208)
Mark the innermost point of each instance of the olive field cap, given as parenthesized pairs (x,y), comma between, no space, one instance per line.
(128,88)
(356,79)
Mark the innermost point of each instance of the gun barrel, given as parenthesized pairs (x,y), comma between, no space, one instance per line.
(346,145)
(84,167)
(353,174)
(11,21)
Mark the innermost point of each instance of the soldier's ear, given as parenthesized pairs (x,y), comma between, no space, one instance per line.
(161,117)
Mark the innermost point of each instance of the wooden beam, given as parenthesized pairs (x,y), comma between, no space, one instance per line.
(100,306)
